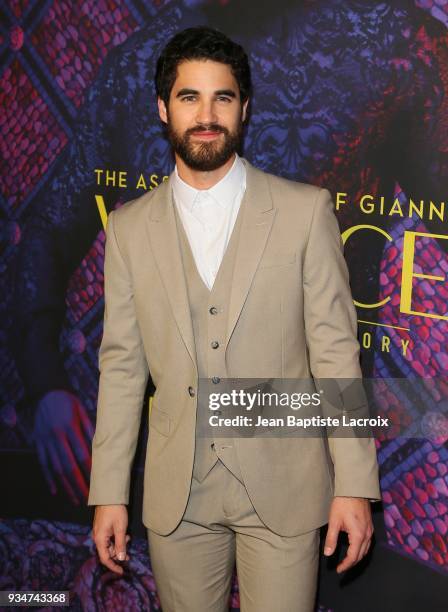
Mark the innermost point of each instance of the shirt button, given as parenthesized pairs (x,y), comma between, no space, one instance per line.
(216,380)
(213,310)
(191,391)
(215,344)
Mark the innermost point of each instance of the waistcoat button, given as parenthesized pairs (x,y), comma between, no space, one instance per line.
(191,391)
(213,310)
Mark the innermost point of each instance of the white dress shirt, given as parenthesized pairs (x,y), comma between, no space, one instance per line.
(208,216)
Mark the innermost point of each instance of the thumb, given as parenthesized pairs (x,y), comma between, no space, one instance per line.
(120,544)
(331,539)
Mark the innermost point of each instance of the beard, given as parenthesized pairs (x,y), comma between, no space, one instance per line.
(205,156)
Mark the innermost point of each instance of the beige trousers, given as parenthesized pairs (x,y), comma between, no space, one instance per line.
(193,565)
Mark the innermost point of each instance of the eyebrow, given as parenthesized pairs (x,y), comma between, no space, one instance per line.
(226,92)
(220,92)
(185,91)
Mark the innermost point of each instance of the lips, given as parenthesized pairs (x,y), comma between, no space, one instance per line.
(206,135)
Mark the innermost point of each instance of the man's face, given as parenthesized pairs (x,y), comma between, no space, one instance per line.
(204,115)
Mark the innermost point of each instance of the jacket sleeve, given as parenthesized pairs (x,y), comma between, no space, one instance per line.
(123,378)
(331,333)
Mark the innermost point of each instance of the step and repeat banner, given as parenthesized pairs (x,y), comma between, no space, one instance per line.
(348,95)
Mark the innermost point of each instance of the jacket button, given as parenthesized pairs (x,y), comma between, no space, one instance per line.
(191,391)
(215,344)
(216,380)
(213,310)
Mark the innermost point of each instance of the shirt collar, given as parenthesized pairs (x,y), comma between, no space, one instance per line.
(223,193)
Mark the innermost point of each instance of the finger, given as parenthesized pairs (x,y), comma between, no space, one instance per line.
(81,450)
(69,477)
(112,546)
(331,538)
(128,537)
(43,460)
(113,552)
(113,555)
(352,554)
(364,548)
(60,473)
(120,543)
(85,422)
(367,539)
(72,470)
(102,546)
(67,462)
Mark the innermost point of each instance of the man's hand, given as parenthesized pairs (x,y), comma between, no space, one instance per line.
(353,515)
(109,534)
(63,435)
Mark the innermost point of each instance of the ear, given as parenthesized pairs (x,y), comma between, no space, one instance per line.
(245,104)
(162,110)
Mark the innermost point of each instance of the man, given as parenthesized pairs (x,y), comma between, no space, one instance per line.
(224,271)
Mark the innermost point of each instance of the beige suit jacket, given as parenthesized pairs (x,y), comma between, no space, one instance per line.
(291,315)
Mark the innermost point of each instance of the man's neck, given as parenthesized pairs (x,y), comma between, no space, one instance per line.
(202,180)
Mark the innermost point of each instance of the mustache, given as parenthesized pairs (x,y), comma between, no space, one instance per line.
(211,127)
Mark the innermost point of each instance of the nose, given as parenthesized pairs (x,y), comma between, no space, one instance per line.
(206,112)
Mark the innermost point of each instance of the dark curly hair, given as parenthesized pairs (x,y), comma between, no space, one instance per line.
(201,43)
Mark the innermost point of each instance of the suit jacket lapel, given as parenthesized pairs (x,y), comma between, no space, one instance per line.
(164,240)
(256,226)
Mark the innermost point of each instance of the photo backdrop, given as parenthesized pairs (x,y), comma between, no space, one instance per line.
(348,95)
